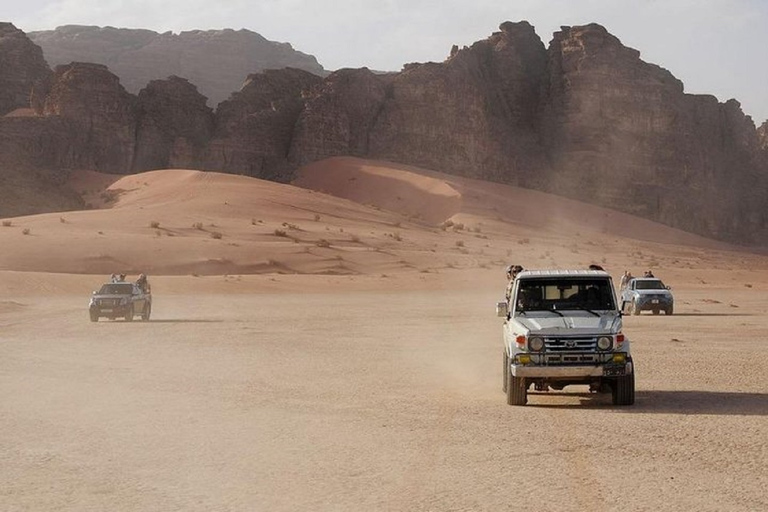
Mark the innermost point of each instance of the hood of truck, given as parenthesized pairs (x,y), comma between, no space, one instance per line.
(576,324)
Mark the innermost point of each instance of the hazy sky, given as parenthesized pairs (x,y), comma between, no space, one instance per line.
(714,46)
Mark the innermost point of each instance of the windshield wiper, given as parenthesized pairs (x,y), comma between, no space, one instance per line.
(584,308)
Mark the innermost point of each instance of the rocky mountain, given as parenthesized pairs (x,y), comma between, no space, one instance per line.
(584,118)
(216,61)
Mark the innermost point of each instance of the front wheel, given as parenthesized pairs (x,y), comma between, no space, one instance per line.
(94,316)
(129,314)
(517,390)
(623,390)
(669,310)
(635,308)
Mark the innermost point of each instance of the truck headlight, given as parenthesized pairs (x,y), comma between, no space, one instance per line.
(536,344)
(604,343)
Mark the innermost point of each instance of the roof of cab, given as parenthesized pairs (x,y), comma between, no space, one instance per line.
(562,273)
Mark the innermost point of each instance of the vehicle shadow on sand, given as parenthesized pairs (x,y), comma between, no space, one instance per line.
(701,402)
(715,314)
(668,402)
(178,321)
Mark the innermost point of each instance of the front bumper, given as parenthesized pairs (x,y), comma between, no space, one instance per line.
(645,304)
(570,372)
(110,310)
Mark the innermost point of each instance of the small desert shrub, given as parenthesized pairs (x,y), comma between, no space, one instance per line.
(280,232)
(26,231)
(7,223)
(459,243)
(317,217)
(216,235)
(154,224)
(524,241)
(394,236)
(198,226)
(458,226)
(62,220)
(290,226)
(323,243)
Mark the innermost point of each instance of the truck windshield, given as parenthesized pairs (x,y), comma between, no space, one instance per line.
(116,289)
(650,284)
(558,294)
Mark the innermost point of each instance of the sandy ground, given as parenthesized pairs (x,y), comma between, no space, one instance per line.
(282,374)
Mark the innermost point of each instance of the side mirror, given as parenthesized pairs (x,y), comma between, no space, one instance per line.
(502,309)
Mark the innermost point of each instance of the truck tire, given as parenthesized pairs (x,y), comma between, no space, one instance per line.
(505,372)
(635,308)
(669,310)
(94,316)
(129,314)
(146,312)
(517,390)
(623,390)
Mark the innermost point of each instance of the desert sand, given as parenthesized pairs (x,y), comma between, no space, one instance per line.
(331,345)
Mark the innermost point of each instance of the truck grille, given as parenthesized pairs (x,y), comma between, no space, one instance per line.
(570,344)
(571,350)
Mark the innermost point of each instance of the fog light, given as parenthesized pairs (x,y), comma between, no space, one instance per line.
(620,357)
(524,358)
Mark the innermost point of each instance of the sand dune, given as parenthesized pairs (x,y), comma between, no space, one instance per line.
(371,218)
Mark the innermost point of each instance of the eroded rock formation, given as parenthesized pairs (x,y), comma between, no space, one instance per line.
(585,118)
(22,69)
(254,128)
(174,125)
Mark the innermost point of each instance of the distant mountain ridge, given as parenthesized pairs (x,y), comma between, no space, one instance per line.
(216,61)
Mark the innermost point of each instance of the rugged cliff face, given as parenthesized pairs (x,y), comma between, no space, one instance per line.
(174,125)
(622,133)
(101,112)
(474,114)
(217,61)
(254,128)
(584,118)
(22,69)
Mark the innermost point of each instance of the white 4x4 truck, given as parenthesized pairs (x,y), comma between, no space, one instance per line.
(563,327)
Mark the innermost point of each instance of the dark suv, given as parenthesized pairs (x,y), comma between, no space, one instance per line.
(120,300)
